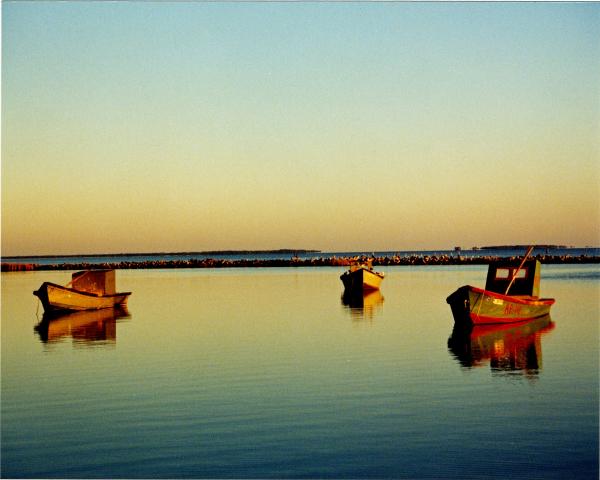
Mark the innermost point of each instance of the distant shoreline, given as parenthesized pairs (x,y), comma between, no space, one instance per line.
(524,247)
(292,251)
(408,260)
(135,254)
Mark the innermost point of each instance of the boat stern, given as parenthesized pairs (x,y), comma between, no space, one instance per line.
(42,294)
(350,280)
(460,304)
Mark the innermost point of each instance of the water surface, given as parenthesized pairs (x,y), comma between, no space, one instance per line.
(269,373)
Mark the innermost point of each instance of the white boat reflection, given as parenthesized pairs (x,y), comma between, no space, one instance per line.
(85,327)
(362,305)
(514,348)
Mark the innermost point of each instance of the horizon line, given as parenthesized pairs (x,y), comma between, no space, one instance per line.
(300,250)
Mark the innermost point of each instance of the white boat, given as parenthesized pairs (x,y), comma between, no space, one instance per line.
(362,277)
(88,290)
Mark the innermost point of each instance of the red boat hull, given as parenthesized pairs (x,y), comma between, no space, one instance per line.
(475,306)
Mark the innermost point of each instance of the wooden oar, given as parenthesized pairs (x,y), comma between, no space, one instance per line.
(68,285)
(529,250)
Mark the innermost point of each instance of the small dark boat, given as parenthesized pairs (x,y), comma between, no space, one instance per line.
(361,277)
(511,294)
(87,290)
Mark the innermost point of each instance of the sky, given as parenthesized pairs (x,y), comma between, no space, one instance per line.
(343,126)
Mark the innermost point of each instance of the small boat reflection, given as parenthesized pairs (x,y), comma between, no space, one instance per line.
(514,348)
(85,327)
(362,305)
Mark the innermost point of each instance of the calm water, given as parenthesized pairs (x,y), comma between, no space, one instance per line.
(265,373)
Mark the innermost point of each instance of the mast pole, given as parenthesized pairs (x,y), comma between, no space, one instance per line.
(529,250)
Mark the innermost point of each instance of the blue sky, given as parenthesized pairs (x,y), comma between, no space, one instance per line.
(163,126)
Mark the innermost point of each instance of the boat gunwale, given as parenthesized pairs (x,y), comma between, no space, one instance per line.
(366,269)
(514,299)
(81,292)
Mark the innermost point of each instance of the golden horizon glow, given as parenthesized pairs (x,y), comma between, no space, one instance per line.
(189,127)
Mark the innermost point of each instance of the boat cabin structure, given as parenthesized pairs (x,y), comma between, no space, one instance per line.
(526,282)
(100,282)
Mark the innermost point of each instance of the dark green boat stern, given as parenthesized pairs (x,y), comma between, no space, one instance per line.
(353,281)
(42,294)
(460,304)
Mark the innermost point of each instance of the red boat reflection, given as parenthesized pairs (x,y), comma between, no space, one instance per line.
(83,327)
(513,348)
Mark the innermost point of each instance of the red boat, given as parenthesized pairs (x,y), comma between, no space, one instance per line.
(511,294)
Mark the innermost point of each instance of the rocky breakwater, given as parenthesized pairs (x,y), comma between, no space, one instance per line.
(298,262)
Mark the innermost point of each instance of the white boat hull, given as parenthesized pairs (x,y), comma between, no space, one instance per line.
(56,298)
(362,279)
